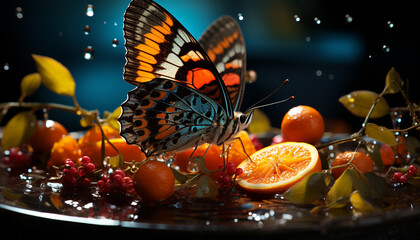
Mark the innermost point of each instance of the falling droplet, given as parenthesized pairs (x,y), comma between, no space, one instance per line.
(317,20)
(297,18)
(308,39)
(348,18)
(86,30)
(115,24)
(386,48)
(115,42)
(6,67)
(390,24)
(88,53)
(240,16)
(90,11)
(19,12)
(318,73)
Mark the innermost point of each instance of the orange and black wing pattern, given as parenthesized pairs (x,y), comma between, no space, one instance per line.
(224,44)
(158,46)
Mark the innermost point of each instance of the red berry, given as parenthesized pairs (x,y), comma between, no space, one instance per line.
(119,172)
(69,163)
(85,160)
(100,183)
(230,167)
(90,167)
(412,170)
(72,172)
(257,144)
(403,179)
(239,171)
(397,176)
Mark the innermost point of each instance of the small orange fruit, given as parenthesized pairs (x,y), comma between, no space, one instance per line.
(65,148)
(277,167)
(303,124)
(46,134)
(360,161)
(387,155)
(214,154)
(94,134)
(154,181)
(129,152)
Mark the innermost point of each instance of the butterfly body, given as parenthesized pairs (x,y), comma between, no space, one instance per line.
(187,94)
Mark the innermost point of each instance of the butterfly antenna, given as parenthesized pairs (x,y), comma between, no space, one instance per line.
(254,106)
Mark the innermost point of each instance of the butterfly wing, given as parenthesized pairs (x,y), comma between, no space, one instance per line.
(224,44)
(163,115)
(158,46)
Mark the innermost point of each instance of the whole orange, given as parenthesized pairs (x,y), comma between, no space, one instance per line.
(65,148)
(94,134)
(154,181)
(303,124)
(46,134)
(360,161)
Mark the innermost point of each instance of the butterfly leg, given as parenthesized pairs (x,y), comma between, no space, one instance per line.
(243,146)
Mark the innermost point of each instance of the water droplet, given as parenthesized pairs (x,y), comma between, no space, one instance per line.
(297,18)
(88,53)
(390,24)
(308,39)
(115,24)
(86,30)
(193,167)
(331,76)
(104,22)
(348,18)
(317,20)
(240,16)
(386,48)
(90,10)
(115,42)
(318,73)
(19,12)
(6,67)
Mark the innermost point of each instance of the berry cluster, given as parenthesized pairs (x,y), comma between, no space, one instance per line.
(399,177)
(77,176)
(116,182)
(230,172)
(16,158)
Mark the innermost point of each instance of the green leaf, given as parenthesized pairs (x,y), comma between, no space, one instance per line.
(393,81)
(29,84)
(206,187)
(18,130)
(201,161)
(381,134)
(340,192)
(377,183)
(375,154)
(54,75)
(311,188)
(359,103)
(413,145)
(359,203)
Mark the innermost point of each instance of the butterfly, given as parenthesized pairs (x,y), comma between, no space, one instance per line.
(188,92)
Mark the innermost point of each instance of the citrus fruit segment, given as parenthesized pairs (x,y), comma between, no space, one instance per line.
(277,167)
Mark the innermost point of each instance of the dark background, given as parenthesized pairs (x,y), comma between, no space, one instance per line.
(323,61)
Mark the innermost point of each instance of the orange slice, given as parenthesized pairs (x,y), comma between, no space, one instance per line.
(277,167)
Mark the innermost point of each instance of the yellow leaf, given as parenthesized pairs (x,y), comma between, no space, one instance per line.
(359,103)
(54,75)
(18,130)
(112,118)
(341,190)
(392,79)
(359,203)
(30,83)
(206,188)
(381,134)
